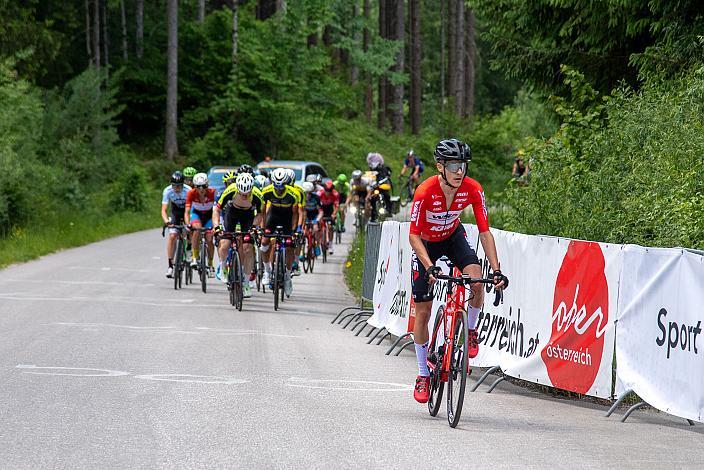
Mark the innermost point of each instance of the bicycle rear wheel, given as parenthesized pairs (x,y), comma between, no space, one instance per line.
(282,271)
(277,284)
(435,356)
(457,377)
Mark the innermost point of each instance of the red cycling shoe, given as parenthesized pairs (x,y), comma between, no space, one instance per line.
(473,348)
(422,390)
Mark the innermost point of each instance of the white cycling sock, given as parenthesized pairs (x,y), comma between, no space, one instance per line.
(422,357)
(472,317)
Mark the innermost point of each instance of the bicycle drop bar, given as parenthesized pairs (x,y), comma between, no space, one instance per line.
(466,279)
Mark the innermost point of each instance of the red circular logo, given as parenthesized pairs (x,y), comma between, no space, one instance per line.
(579,320)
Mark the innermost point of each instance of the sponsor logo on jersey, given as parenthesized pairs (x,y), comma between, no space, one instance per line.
(444,217)
(437,203)
(462,194)
(416,209)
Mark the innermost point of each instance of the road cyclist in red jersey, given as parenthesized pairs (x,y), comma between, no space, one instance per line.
(330,202)
(199,214)
(436,231)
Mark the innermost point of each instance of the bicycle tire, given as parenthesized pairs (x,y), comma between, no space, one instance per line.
(458,370)
(177,264)
(282,271)
(435,348)
(239,279)
(305,251)
(203,267)
(188,271)
(231,283)
(276,280)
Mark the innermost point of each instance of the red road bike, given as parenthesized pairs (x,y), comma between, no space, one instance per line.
(447,351)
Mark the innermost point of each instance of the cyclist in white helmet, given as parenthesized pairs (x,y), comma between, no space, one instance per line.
(241,203)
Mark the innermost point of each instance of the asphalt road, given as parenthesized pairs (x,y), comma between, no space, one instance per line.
(104,365)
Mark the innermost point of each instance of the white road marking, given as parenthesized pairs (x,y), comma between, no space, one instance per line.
(29,368)
(78,283)
(187,303)
(188,378)
(87,268)
(347,385)
(172,329)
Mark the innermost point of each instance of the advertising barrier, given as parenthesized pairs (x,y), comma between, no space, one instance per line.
(659,345)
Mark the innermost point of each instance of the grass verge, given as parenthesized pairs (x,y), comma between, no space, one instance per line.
(70,230)
(355,265)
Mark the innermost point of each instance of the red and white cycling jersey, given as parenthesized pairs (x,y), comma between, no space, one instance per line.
(433,220)
(329,198)
(199,204)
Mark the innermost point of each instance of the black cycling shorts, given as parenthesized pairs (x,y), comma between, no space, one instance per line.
(328,210)
(458,250)
(233,216)
(177,214)
(285,222)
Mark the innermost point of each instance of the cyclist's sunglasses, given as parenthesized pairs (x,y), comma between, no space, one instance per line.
(454,167)
(176,186)
(201,186)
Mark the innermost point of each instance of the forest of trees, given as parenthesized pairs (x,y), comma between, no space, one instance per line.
(104,93)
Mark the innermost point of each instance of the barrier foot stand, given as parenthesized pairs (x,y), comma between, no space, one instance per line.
(377,334)
(497,382)
(370,332)
(339,322)
(364,325)
(356,307)
(398,340)
(483,378)
(362,329)
(640,404)
(381,340)
(618,402)
(405,345)
(356,316)
(690,422)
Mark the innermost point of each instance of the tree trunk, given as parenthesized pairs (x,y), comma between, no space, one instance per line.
(442,58)
(123,20)
(235,31)
(281,5)
(368,92)
(170,142)
(139,29)
(390,32)
(451,45)
(470,58)
(201,11)
(354,70)
(399,35)
(266,9)
(381,114)
(106,38)
(96,34)
(416,90)
(88,36)
(459,58)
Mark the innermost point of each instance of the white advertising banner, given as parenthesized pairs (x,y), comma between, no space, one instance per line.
(659,346)
(386,270)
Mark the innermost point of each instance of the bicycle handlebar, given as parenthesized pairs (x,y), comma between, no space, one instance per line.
(467,279)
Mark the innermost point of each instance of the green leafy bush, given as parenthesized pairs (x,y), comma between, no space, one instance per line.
(627,169)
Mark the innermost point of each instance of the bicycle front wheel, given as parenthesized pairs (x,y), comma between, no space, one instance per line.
(237,284)
(457,379)
(277,284)
(203,268)
(177,264)
(435,357)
